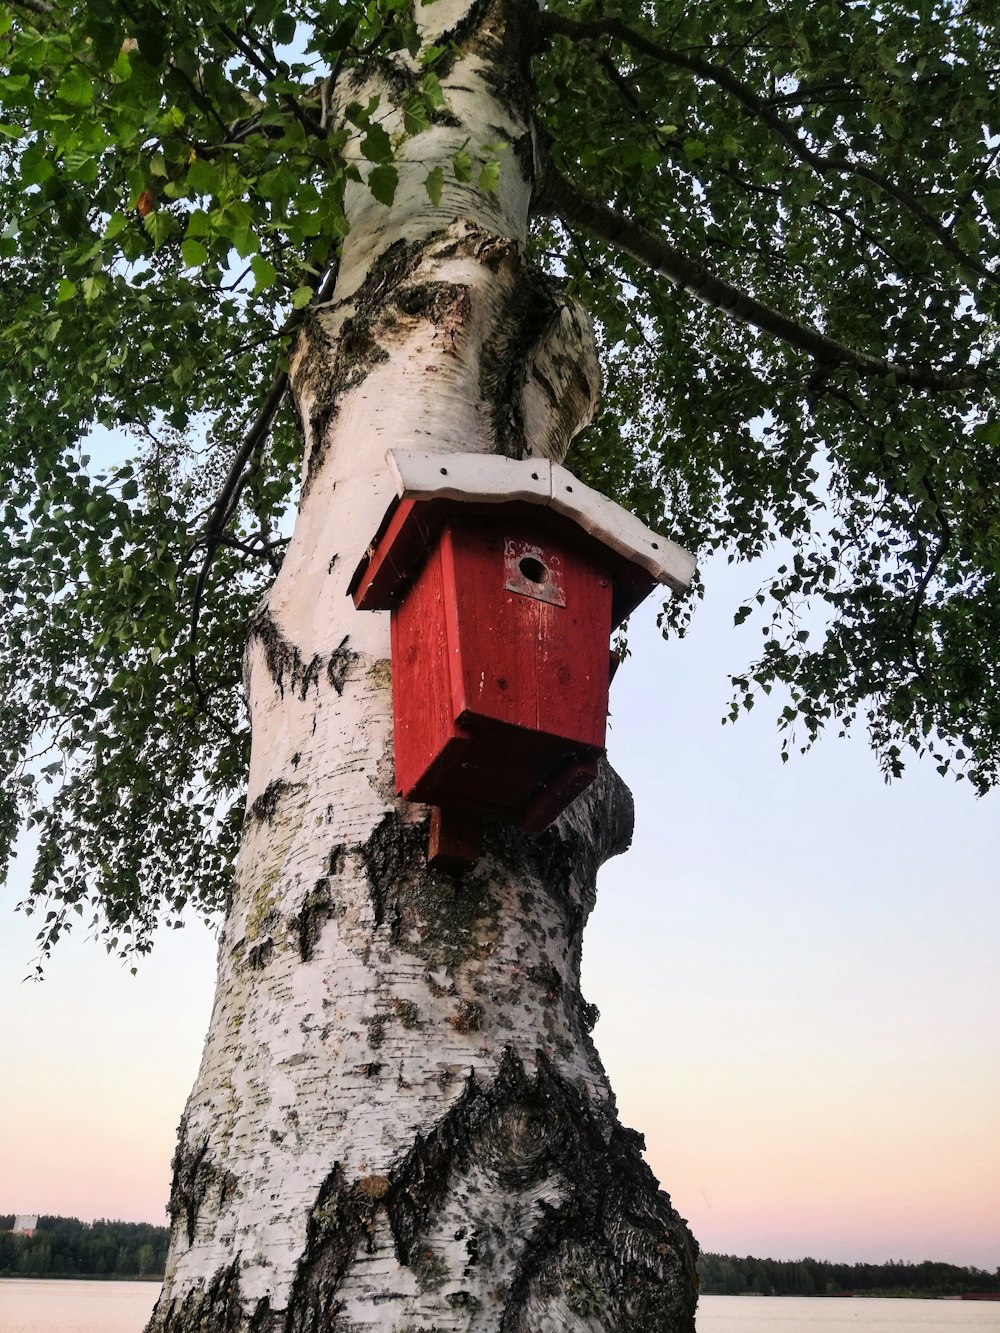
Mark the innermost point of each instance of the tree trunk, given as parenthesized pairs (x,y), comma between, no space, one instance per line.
(400,1121)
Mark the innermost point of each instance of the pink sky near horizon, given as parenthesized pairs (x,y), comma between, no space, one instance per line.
(797,969)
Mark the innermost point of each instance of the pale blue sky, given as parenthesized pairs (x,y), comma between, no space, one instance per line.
(798,970)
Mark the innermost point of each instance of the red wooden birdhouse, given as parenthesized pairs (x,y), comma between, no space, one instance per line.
(505,579)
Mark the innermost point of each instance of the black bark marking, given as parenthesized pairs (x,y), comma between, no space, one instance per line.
(503,367)
(217,1306)
(340,1222)
(615,1242)
(616,1247)
(193,1175)
(508,63)
(407,1013)
(394,852)
(548,980)
(376,1031)
(282,658)
(312,916)
(438,302)
(339,663)
(356,350)
(259,954)
(265,807)
(468,1017)
(286,665)
(319,905)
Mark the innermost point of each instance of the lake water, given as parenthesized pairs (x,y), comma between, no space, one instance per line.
(33,1305)
(803,1314)
(123,1307)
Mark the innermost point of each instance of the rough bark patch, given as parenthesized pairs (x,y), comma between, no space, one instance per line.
(529,308)
(215,1308)
(612,1247)
(394,849)
(311,917)
(266,805)
(194,1174)
(342,1219)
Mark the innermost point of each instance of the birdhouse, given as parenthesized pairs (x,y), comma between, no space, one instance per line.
(505,579)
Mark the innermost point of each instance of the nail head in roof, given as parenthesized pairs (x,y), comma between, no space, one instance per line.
(656,546)
(444,472)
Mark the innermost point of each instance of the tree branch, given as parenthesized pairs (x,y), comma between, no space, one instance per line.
(39,7)
(225,506)
(222,511)
(759,107)
(556,195)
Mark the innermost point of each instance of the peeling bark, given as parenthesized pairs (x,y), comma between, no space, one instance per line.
(401,1121)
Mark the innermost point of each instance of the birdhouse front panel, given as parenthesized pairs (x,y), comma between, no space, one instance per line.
(500,670)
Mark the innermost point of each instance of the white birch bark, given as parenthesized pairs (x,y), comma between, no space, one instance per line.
(400,1121)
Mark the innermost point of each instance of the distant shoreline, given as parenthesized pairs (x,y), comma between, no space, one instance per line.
(81,1277)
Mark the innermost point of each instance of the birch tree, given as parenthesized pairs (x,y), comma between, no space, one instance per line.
(249,247)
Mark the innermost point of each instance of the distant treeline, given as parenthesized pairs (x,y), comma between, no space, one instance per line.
(66,1247)
(728,1275)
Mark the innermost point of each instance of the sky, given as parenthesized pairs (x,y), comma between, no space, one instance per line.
(797,967)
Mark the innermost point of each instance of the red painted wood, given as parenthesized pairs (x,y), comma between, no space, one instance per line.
(500,698)
(411,528)
(423,720)
(455,840)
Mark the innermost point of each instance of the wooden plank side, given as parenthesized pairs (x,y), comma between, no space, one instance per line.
(422,719)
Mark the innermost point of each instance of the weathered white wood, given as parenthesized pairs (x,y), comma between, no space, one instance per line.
(487,478)
(621,530)
(490,479)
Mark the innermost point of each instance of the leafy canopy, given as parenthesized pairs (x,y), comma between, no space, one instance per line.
(783,216)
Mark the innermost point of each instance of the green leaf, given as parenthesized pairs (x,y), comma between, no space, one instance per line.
(382,182)
(264,272)
(376,146)
(65,291)
(434,183)
(94,286)
(462,163)
(415,116)
(203,178)
(489,176)
(284,28)
(301,297)
(75,87)
(116,224)
(159,226)
(193,253)
(433,92)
